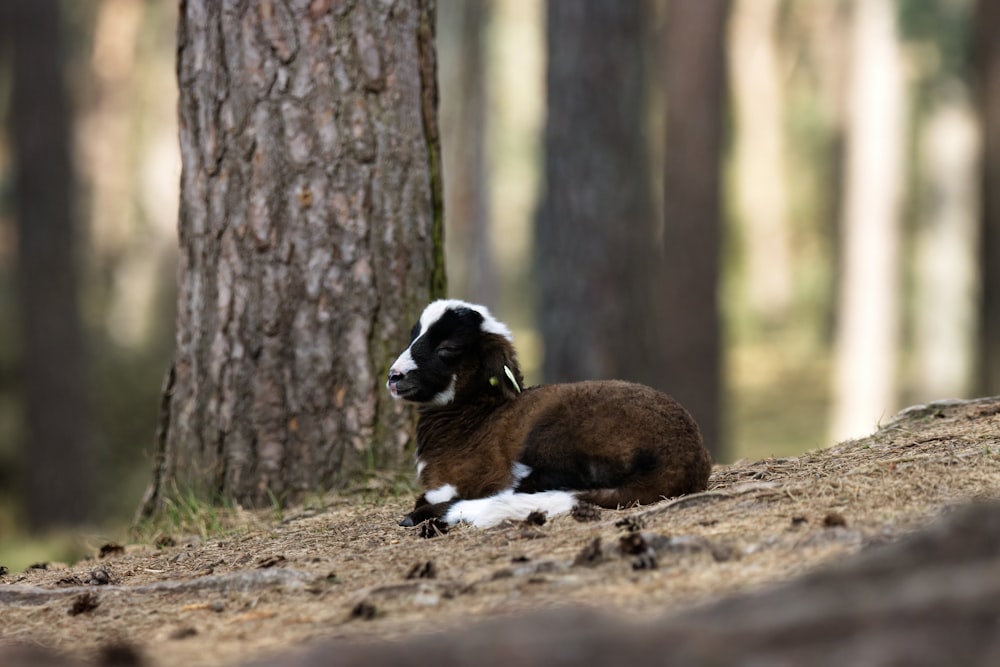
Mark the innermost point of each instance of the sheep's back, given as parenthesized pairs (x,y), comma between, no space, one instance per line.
(603,434)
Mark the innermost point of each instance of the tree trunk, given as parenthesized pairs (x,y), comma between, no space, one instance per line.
(868,310)
(758,106)
(945,246)
(986,20)
(58,459)
(695,89)
(464,110)
(311,238)
(596,227)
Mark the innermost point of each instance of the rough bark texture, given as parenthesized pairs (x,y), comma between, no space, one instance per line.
(692,228)
(988,65)
(310,233)
(596,228)
(57,457)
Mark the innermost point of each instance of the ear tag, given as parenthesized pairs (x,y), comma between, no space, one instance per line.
(510,376)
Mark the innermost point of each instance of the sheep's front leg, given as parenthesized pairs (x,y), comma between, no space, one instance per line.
(427,512)
(433,504)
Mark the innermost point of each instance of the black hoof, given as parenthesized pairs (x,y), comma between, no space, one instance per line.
(407,521)
(433,528)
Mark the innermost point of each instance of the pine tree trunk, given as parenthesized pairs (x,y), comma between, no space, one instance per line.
(311,237)
(868,308)
(695,80)
(596,229)
(945,243)
(760,188)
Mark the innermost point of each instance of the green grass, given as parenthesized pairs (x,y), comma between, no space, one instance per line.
(185,513)
(24,550)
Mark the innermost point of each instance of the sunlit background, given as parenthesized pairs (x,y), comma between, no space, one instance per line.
(792,92)
(798,374)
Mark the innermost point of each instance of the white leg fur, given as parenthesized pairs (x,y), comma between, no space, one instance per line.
(442,494)
(486,512)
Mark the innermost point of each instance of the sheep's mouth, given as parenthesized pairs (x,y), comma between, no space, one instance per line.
(401,389)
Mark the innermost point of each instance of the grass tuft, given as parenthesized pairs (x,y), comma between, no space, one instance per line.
(184,512)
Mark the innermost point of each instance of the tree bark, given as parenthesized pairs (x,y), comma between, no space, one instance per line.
(596,227)
(58,457)
(987,17)
(695,80)
(311,238)
(868,310)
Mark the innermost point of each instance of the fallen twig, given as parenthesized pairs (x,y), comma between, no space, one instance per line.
(712,496)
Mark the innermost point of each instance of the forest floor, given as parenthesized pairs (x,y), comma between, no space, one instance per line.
(345,570)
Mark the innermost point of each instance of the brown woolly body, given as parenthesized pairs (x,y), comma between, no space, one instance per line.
(618,442)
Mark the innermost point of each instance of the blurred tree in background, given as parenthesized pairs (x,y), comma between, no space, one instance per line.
(868,314)
(463,51)
(596,256)
(57,457)
(759,172)
(987,69)
(939,236)
(121,152)
(694,66)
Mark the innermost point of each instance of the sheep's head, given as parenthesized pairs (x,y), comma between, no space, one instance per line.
(457,350)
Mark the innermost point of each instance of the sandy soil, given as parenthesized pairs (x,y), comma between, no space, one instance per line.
(348,571)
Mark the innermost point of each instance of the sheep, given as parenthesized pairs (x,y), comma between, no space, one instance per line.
(491,449)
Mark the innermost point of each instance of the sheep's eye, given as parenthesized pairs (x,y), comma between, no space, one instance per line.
(448,352)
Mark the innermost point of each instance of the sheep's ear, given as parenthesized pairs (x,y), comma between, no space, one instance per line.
(501,369)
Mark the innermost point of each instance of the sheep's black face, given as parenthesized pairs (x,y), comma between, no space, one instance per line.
(442,343)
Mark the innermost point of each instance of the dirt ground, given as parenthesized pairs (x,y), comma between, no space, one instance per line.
(348,571)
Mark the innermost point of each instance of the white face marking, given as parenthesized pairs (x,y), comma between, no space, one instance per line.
(442,494)
(404,363)
(447,396)
(433,312)
(487,512)
(420,467)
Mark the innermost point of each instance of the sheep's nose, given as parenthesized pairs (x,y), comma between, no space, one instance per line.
(395,376)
